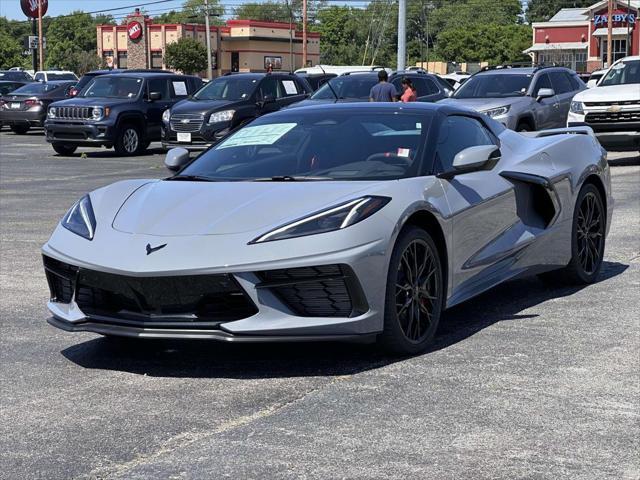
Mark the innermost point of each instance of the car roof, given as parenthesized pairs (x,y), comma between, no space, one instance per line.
(380,107)
(133,73)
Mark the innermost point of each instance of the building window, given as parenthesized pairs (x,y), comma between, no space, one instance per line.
(574,59)
(122,59)
(156,60)
(618,50)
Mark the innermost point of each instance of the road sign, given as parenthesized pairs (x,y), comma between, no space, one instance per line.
(33,42)
(30,7)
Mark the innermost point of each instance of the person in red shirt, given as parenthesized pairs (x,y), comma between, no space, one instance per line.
(409,91)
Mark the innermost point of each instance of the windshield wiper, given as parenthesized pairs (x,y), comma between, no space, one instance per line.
(291,178)
(192,178)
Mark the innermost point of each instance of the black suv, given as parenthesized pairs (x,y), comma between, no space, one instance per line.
(120,110)
(227,103)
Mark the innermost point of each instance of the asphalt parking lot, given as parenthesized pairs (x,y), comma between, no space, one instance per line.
(524,382)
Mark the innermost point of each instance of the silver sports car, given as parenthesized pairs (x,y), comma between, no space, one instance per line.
(331,222)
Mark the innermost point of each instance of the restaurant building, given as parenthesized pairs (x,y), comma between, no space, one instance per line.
(242,45)
(577,37)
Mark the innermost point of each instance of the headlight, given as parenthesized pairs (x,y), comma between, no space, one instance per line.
(224,116)
(80,219)
(577,107)
(334,218)
(166,116)
(96,113)
(496,112)
(52,112)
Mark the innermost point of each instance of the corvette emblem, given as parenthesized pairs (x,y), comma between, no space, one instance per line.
(614,108)
(151,249)
(186,120)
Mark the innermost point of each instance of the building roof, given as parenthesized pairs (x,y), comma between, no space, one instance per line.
(570,15)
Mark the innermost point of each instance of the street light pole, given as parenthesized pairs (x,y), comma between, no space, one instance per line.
(40,49)
(609,33)
(208,29)
(402,34)
(304,33)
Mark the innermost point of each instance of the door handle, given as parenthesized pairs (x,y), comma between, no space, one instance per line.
(556,105)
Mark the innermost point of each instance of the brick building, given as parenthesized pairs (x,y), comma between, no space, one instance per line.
(245,45)
(577,37)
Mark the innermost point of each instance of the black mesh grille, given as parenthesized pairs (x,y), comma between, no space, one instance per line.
(605,117)
(321,291)
(60,277)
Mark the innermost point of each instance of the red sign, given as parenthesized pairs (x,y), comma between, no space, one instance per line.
(30,7)
(134,29)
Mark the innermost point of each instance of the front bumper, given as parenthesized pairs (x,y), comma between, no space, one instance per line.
(79,133)
(614,135)
(200,140)
(33,118)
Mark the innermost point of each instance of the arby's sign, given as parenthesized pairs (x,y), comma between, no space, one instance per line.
(30,7)
(134,30)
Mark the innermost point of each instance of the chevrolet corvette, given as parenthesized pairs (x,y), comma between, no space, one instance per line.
(332,222)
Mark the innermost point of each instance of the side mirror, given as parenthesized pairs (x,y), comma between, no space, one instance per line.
(153,96)
(545,93)
(176,158)
(472,159)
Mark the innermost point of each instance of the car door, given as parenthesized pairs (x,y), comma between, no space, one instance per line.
(156,108)
(482,207)
(268,93)
(291,91)
(564,93)
(546,110)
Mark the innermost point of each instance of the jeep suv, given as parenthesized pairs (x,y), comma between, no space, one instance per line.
(227,103)
(522,99)
(120,110)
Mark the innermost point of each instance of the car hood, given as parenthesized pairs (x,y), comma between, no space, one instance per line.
(483,104)
(93,102)
(200,106)
(613,93)
(180,208)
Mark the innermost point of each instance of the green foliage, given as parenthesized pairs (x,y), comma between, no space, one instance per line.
(11,52)
(192,12)
(187,55)
(71,43)
(268,11)
(493,43)
(543,10)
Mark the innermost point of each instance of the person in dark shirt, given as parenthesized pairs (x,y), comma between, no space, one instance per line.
(383,91)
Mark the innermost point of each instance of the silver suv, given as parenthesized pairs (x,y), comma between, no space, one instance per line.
(522,99)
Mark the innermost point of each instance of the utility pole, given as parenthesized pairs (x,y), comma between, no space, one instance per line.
(40,35)
(402,34)
(304,33)
(292,67)
(629,29)
(609,34)
(208,29)
(218,51)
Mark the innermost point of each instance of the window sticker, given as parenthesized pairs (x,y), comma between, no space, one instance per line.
(180,88)
(403,152)
(418,126)
(290,87)
(258,135)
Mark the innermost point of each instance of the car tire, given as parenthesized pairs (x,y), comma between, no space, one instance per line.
(587,241)
(20,129)
(414,296)
(144,145)
(128,141)
(524,127)
(64,149)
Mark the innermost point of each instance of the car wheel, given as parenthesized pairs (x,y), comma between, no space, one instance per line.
(128,140)
(524,127)
(587,240)
(414,294)
(64,149)
(20,129)
(144,145)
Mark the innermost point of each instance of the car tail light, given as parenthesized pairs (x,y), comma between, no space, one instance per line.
(32,102)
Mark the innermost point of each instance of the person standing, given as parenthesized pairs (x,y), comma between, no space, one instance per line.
(383,91)
(409,91)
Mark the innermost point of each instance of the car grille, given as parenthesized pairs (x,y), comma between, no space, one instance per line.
(184,301)
(609,104)
(322,291)
(73,113)
(186,122)
(606,117)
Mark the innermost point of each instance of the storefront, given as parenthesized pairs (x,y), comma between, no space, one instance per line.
(245,45)
(577,37)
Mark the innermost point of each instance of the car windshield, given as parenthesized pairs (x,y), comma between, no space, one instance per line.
(108,86)
(7,75)
(84,81)
(326,145)
(623,73)
(494,86)
(35,88)
(348,86)
(228,88)
(60,76)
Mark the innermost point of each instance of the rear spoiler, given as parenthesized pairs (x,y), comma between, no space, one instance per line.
(581,130)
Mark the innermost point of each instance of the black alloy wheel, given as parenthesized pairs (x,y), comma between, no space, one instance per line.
(415,293)
(590,233)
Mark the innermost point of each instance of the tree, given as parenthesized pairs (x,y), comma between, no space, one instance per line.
(193,12)
(187,55)
(268,11)
(543,10)
(10,52)
(68,39)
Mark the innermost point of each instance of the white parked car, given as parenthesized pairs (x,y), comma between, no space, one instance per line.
(456,79)
(612,109)
(595,77)
(49,75)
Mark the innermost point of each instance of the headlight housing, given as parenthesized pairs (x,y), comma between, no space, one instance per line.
(52,112)
(497,112)
(80,219)
(223,116)
(577,107)
(166,115)
(97,113)
(334,218)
